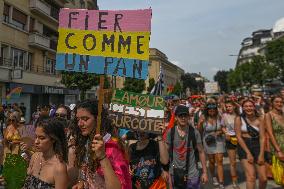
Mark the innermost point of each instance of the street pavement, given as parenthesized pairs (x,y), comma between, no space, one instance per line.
(241,178)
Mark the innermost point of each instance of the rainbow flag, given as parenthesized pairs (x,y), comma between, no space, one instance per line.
(15,93)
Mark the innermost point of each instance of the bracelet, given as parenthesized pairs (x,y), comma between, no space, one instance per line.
(100,159)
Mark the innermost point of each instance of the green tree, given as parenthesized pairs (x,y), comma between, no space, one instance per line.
(189,82)
(275,54)
(81,81)
(255,72)
(221,77)
(151,84)
(134,85)
(177,89)
(233,80)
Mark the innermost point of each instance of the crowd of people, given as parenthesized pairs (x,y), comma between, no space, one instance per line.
(65,151)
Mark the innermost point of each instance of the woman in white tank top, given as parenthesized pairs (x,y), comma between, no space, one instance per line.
(228,123)
(250,130)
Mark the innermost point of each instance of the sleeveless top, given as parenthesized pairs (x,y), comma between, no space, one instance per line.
(228,121)
(244,126)
(33,182)
(278,131)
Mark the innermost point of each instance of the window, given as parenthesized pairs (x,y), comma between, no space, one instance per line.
(21,59)
(6,13)
(50,66)
(19,19)
(28,63)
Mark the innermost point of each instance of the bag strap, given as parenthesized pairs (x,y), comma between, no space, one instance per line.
(248,125)
(173,129)
(189,139)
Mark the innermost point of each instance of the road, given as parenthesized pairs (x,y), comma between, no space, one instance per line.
(241,178)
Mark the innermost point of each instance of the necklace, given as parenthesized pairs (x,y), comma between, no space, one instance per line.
(42,164)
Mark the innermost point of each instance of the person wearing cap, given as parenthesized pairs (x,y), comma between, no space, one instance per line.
(184,142)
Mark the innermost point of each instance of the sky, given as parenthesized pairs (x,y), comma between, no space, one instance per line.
(199,35)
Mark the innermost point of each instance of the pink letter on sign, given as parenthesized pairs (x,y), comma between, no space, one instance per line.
(119,21)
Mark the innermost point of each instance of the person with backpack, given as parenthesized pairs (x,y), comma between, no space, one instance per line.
(184,143)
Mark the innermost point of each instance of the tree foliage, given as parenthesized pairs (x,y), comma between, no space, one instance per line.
(275,54)
(190,82)
(134,85)
(255,72)
(222,78)
(81,81)
(177,89)
(151,84)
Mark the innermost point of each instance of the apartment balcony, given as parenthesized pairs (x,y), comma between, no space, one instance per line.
(44,9)
(42,42)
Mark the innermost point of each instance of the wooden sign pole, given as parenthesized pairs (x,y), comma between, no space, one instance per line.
(100,104)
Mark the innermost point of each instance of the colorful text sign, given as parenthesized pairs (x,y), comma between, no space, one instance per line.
(104,42)
(137,111)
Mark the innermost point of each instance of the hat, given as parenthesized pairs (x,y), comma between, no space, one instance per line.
(180,109)
(22,120)
(175,98)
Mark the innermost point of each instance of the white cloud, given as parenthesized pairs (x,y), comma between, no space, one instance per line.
(214,69)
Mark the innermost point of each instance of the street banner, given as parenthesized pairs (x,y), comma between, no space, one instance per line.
(137,111)
(104,42)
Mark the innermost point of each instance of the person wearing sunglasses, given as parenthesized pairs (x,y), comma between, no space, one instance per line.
(63,112)
(213,140)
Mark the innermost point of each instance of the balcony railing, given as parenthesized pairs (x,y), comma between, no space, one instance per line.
(45,9)
(42,42)
(5,62)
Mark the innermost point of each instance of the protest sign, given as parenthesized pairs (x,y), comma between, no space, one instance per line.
(137,111)
(211,87)
(104,42)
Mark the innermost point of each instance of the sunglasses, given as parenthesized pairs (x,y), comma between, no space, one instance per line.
(211,106)
(183,115)
(61,115)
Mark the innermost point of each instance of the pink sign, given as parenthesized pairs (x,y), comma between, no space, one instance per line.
(105,20)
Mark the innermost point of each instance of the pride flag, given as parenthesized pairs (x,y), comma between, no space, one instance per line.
(14,93)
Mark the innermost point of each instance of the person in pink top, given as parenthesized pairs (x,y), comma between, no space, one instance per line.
(110,168)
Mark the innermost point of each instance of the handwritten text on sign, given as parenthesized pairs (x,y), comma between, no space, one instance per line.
(104,42)
(137,111)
